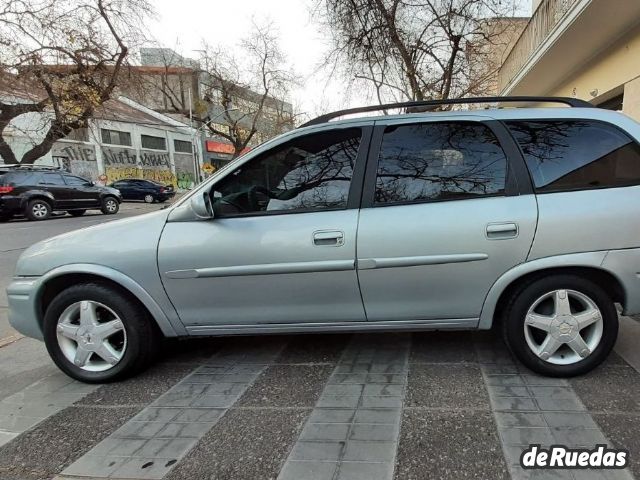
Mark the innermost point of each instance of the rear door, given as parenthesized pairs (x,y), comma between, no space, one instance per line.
(54,184)
(447,208)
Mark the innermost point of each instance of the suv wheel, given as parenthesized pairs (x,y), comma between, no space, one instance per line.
(148,198)
(76,213)
(110,206)
(38,210)
(561,325)
(96,334)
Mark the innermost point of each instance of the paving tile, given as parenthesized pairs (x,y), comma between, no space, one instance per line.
(317,451)
(143,468)
(332,415)
(389,416)
(368,451)
(518,404)
(560,404)
(325,431)
(504,380)
(569,419)
(526,435)
(578,436)
(373,432)
(295,470)
(365,471)
(519,419)
(510,391)
(338,401)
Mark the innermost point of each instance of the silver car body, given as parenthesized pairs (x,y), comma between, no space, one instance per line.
(386,270)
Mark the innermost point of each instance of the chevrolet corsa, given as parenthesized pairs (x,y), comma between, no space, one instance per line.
(522,219)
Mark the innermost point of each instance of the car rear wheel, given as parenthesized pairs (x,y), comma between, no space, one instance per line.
(561,325)
(148,198)
(95,333)
(38,210)
(76,213)
(110,206)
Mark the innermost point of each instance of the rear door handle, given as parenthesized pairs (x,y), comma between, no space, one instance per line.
(499,231)
(328,238)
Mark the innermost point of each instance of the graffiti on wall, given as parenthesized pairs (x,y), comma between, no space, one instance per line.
(184,171)
(77,158)
(120,163)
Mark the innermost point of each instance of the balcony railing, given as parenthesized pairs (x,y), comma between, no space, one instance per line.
(542,22)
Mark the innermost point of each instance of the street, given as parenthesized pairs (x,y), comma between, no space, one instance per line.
(379,406)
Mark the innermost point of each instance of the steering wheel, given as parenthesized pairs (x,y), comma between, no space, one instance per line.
(252,196)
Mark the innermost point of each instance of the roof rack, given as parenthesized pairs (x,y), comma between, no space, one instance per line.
(30,167)
(572,102)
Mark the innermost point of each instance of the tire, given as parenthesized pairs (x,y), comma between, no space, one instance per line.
(148,198)
(110,205)
(135,345)
(76,213)
(544,303)
(38,209)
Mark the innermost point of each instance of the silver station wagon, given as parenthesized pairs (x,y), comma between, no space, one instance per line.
(520,219)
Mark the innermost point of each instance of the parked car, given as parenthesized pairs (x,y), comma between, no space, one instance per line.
(147,190)
(38,192)
(518,219)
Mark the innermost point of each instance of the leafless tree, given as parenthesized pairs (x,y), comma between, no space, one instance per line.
(417,49)
(243,91)
(60,60)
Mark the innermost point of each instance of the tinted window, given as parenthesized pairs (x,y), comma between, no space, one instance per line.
(439,161)
(577,154)
(310,172)
(155,143)
(51,179)
(115,137)
(75,181)
(23,178)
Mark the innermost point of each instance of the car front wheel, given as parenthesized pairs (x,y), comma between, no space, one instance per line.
(95,333)
(561,325)
(110,206)
(148,198)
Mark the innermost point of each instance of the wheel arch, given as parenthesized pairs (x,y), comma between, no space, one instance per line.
(37,195)
(54,282)
(586,265)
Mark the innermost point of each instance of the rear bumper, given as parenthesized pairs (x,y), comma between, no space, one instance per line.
(625,266)
(10,205)
(23,315)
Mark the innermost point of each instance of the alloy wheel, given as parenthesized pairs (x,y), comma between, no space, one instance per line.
(563,327)
(39,210)
(91,336)
(111,205)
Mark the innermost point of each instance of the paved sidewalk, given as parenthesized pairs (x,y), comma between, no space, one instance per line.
(377,406)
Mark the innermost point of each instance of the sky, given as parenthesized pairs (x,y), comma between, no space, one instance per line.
(184,24)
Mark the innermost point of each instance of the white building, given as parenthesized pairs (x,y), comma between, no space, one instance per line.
(124,140)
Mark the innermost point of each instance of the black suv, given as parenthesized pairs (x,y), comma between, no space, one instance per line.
(147,190)
(37,192)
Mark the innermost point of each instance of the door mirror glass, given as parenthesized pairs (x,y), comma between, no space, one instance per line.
(201,206)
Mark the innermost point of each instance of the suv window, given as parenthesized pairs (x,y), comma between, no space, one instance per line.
(312,172)
(439,161)
(75,181)
(577,154)
(51,179)
(20,178)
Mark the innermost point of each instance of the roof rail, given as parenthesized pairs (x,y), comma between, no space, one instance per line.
(572,102)
(31,167)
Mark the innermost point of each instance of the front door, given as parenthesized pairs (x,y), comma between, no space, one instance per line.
(447,212)
(54,183)
(82,193)
(281,248)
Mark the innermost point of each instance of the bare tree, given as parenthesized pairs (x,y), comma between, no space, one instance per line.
(61,60)
(416,49)
(243,91)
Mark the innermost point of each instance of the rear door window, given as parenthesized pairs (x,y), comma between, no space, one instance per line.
(51,179)
(567,155)
(439,161)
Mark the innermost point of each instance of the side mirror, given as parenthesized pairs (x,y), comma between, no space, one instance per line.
(201,206)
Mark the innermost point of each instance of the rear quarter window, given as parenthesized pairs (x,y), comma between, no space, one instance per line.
(564,155)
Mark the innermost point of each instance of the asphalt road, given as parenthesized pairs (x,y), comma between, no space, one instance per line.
(386,406)
(19,234)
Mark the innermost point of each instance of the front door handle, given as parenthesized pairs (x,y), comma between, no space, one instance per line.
(328,238)
(499,231)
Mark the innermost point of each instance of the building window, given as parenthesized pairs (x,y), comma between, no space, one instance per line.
(182,146)
(154,143)
(577,154)
(115,137)
(439,161)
